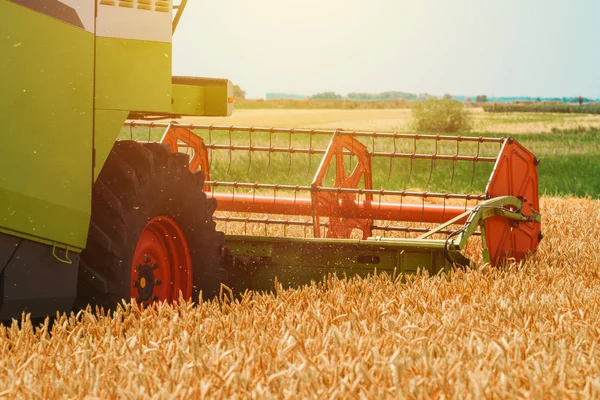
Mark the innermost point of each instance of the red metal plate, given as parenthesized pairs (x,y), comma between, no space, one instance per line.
(515,174)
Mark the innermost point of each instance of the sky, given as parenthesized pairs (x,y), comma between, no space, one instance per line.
(547,48)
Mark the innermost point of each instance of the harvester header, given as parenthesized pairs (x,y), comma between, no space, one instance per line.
(326,187)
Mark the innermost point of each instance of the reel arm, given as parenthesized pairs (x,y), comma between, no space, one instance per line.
(508,207)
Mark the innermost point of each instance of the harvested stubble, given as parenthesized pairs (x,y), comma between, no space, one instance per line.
(530,331)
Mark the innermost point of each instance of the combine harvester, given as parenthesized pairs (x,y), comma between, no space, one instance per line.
(89,219)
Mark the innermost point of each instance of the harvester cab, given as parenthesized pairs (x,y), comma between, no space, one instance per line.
(173,209)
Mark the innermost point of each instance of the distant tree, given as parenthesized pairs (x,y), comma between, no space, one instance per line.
(482,98)
(580,99)
(468,99)
(425,96)
(326,96)
(395,95)
(538,99)
(238,93)
(286,96)
(447,96)
(360,96)
(389,95)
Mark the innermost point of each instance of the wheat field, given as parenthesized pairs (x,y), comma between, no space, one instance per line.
(526,331)
(398,120)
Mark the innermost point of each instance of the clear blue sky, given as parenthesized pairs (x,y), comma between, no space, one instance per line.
(499,48)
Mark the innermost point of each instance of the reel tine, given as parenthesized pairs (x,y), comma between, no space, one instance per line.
(373,141)
(444,209)
(455,158)
(270,151)
(310,151)
(475,160)
(210,128)
(230,150)
(379,206)
(412,159)
(433,160)
(401,202)
(392,158)
(291,148)
(295,198)
(250,149)
(235,184)
(254,193)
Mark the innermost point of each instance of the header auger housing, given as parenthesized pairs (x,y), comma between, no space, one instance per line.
(89,219)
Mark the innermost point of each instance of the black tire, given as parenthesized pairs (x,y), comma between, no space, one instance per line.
(137,183)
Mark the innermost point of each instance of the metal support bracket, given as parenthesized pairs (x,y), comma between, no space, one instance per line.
(508,207)
(66,260)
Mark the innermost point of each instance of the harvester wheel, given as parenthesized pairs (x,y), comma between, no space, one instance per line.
(152,236)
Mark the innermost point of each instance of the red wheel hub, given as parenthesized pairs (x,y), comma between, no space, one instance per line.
(161,266)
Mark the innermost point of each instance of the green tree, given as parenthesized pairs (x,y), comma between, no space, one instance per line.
(395,95)
(440,116)
(326,96)
(360,96)
(482,98)
(238,93)
(425,96)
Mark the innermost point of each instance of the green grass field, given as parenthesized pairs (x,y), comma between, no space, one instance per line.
(570,163)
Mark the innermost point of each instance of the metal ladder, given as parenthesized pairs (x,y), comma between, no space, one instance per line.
(178,8)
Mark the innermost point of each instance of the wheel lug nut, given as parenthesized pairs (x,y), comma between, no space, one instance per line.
(139,267)
(137,284)
(157,282)
(154,266)
(147,259)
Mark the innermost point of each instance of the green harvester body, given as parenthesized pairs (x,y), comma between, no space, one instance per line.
(66,93)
